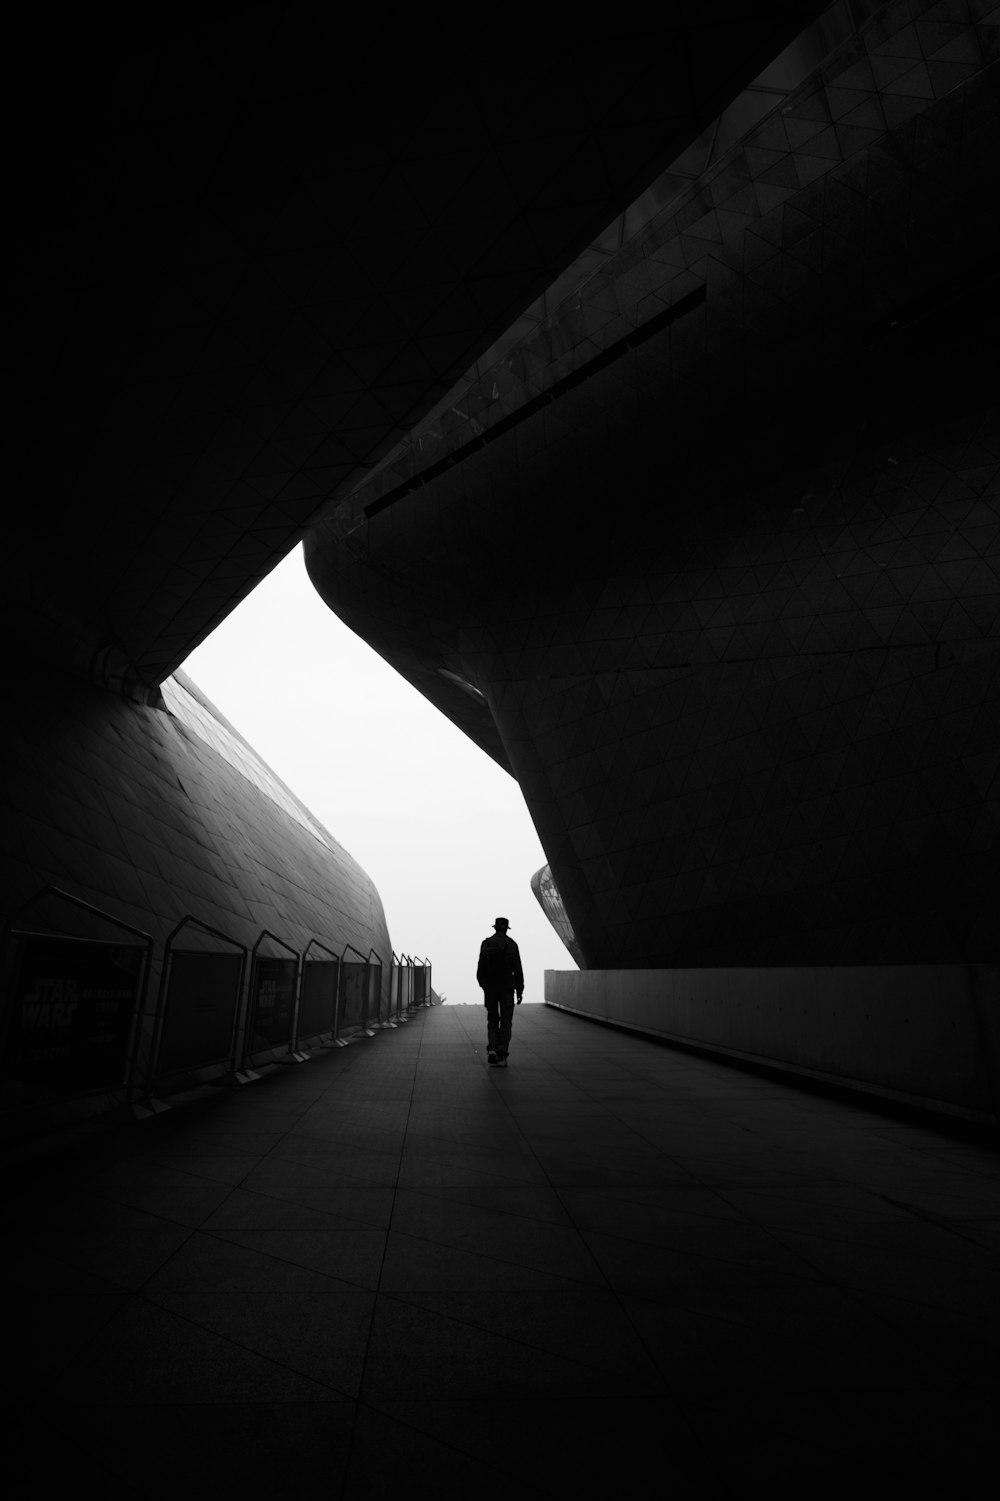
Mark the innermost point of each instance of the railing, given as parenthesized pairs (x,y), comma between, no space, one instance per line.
(397,974)
(409,985)
(75,1021)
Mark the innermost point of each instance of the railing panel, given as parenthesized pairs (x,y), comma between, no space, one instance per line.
(397,984)
(375,994)
(202,996)
(354,997)
(72,1011)
(272,1003)
(320,978)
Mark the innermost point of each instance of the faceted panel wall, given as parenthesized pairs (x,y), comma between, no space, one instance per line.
(729,592)
(768,736)
(151,814)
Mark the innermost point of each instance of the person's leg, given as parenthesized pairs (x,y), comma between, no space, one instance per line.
(506,1008)
(491,1000)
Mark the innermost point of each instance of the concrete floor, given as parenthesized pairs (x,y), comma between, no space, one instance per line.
(611,1268)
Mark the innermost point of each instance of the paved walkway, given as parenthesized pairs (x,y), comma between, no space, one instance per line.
(610,1268)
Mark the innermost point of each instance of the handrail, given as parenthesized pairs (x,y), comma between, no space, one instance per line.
(332,952)
(265,933)
(244,1010)
(75,901)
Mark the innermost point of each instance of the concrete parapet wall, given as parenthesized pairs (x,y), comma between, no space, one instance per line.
(923,1034)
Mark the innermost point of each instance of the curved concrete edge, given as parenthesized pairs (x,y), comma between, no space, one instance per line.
(925,1035)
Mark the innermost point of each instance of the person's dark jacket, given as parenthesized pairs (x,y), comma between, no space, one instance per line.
(500,964)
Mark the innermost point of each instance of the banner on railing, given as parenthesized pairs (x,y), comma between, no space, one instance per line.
(73,1005)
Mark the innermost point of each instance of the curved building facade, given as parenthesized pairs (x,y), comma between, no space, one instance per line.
(146,816)
(712,565)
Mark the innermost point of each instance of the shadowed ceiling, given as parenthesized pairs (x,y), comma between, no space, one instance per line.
(254,253)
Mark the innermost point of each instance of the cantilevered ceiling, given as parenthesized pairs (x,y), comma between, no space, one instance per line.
(256,251)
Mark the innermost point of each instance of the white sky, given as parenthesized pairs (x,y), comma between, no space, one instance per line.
(441,830)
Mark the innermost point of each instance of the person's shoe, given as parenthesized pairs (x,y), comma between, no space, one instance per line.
(491,1058)
(501,1060)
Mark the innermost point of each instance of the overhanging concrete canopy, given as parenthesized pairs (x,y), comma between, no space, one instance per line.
(721,562)
(257,249)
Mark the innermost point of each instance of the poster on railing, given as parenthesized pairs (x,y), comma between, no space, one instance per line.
(69,1023)
(203,991)
(272,1002)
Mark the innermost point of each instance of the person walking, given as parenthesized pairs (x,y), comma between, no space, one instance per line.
(500,975)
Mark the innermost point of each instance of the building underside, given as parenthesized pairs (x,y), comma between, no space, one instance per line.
(257,252)
(708,557)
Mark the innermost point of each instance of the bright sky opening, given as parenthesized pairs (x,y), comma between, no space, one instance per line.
(443,832)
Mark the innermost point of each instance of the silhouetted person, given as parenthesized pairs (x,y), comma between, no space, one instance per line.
(500,975)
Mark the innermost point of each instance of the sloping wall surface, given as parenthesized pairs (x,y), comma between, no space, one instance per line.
(151,816)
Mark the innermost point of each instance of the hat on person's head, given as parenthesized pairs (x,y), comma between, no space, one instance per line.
(498,920)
